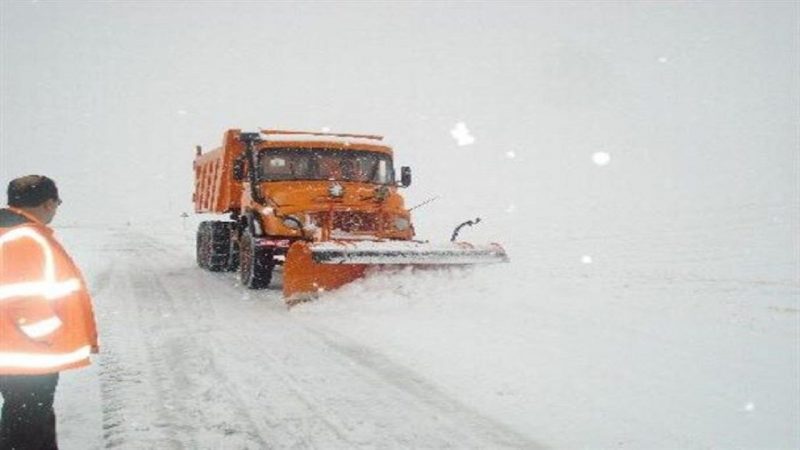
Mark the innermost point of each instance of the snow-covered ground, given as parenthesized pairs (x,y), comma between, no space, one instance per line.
(681,338)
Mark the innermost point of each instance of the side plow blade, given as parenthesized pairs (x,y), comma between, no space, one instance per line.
(314,267)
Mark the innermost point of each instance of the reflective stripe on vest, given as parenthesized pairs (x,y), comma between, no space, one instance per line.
(41,328)
(42,361)
(49,290)
(48,287)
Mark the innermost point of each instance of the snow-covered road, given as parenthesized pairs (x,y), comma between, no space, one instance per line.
(689,342)
(190,362)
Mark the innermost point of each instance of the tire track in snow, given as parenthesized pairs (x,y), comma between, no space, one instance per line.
(205,315)
(123,370)
(110,372)
(148,368)
(192,389)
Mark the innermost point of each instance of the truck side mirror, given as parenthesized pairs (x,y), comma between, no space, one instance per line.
(405,176)
(238,169)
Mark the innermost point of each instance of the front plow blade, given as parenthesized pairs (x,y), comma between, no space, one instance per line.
(405,252)
(312,268)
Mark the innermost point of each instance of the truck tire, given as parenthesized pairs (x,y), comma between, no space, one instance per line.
(255,263)
(214,245)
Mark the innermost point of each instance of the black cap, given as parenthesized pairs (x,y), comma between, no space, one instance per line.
(31,190)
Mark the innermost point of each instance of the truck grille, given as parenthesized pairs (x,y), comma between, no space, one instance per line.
(350,221)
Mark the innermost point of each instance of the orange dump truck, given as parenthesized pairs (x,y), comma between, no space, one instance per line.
(324,206)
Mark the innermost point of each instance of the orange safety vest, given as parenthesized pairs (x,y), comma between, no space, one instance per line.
(46,318)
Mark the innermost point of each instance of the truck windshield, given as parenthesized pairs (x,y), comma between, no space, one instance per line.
(325,164)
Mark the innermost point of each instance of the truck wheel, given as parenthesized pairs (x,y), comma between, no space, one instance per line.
(214,245)
(255,263)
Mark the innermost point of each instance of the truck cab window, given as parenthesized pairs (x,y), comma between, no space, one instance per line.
(325,164)
(276,167)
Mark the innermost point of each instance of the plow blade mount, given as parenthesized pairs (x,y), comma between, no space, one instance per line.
(314,267)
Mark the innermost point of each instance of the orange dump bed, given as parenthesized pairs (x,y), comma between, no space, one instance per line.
(214,191)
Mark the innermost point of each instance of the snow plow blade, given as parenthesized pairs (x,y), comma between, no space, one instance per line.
(311,268)
(406,252)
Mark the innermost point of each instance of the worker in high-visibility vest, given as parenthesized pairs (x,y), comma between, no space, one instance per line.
(46,319)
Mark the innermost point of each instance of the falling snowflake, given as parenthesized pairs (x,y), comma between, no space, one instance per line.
(511,208)
(511,155)
(182,112)
(601,158)
(461,134)
(326,129)
(663,59)
(586,259)
(750,407)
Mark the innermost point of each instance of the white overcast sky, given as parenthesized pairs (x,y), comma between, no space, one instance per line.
(696,102)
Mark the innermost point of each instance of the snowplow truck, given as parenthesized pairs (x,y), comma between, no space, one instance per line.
(325,206)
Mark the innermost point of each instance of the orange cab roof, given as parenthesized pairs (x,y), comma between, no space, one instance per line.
(310,139)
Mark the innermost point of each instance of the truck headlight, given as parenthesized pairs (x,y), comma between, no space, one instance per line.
(401,223)
(292,222)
